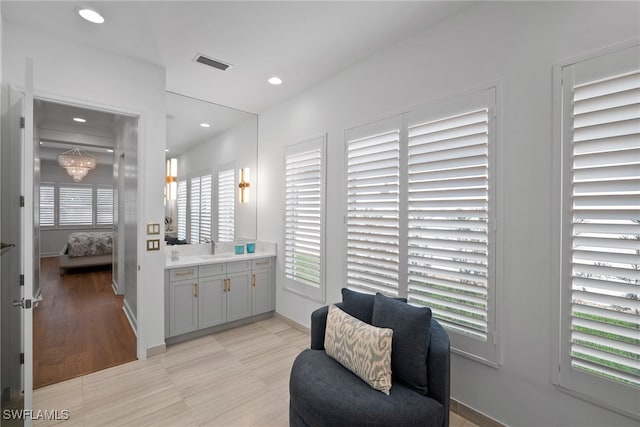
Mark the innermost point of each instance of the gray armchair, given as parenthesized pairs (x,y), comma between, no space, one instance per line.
(324,393)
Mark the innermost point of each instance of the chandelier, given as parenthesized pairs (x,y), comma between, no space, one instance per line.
(77,163)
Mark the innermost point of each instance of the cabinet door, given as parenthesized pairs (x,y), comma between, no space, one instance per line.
(212,308)
(183,307)
(238,296)
(261,284)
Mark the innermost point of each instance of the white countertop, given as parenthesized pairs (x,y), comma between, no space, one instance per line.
(193,260)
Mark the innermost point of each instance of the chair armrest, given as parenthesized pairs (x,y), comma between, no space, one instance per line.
(438,366)
(319,326)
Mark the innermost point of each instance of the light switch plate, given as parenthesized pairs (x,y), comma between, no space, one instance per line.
(153,228)
(153,245)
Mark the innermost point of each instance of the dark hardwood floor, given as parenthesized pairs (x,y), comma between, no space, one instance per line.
(80,326)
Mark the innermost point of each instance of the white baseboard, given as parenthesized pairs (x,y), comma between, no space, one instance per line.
(158,349)
(130,317)
(293,323)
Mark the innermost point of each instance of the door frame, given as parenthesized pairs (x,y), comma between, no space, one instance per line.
(138,328)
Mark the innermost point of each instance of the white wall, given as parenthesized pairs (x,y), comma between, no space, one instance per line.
(78,73)
(237,147)
(515,44)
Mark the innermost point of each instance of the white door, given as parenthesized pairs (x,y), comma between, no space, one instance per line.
(28,239)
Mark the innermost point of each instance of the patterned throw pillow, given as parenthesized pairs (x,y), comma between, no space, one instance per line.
(363,349)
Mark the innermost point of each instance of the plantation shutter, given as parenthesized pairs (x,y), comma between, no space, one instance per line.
(226,205)
(75,205)
(194,235)
(304,219)
(205,208)
(605,228)
(181,203)
(373,207)
(47,205)
(448,211)
(104,206)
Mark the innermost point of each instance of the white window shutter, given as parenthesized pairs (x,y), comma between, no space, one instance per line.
(47,205)
(194,204)
(181,203)
(75,205)
(104,206)
(304,218)
(226,205)
(605,228)
(373,207)
(448,211)
(205,208)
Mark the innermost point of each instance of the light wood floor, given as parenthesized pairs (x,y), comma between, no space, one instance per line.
(80,326)
(239,377)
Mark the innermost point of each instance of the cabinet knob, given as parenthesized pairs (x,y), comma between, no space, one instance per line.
(195,290)
(253,280)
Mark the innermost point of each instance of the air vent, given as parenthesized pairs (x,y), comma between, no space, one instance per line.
(211,62)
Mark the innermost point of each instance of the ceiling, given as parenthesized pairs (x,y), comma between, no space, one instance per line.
(303,42)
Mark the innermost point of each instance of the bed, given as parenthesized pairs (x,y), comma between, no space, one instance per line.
(86,249)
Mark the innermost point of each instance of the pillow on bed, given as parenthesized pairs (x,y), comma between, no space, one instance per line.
(89,244)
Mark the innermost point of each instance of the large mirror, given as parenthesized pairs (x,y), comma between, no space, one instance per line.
(210,149)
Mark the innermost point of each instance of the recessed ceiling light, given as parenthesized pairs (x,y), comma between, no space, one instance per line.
(166,150)
(205,125)
(109,150)
(275,80)
(79,120)
(91,16)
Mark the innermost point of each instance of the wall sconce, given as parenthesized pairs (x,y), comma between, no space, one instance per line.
(172,175)
(244,185)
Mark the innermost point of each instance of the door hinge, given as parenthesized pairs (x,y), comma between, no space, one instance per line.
(22,123)
(22,280)
(22,201)
(22,358)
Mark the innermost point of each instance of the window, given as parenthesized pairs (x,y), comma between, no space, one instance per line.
(421,214)
(181,203)
(200,209)
(304,218)
(373,207)
(75,205)
(47,205)
(104,206)
(195,209)
(599,240)
(226,205)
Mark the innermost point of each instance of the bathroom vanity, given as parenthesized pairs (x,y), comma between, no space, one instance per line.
(205,293)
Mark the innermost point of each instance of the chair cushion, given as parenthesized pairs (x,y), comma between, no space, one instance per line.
(324,393)
(359,305)
(410,339)
(361,348)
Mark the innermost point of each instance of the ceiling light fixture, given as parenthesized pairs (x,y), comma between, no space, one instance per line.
(275,80)
(76,163)
(91,16)
(79,120)
(205,125)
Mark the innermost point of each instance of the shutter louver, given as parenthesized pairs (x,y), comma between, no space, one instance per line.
(373,170)
(448,211)
(605,229)
(47,205)
(194,235)
(226,206)
(104,206)
(76,205)
(303,217)
(205,208)
(181,203)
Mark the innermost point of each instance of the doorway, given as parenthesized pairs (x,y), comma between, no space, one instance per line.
(85,320)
